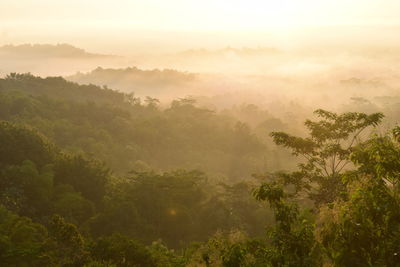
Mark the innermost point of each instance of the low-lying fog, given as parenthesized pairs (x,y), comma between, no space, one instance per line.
(283,78)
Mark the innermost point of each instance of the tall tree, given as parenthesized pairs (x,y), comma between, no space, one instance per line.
(326,152)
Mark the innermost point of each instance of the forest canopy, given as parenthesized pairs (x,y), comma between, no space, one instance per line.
(112,179)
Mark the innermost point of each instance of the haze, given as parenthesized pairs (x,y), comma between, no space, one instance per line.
(182,133)
(183,24)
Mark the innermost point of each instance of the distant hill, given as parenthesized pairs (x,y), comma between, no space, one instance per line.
(27,51)
(60,89)
(51,60)
(132,79)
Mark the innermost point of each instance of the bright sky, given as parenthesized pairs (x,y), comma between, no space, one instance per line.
(229,15)
(60,18)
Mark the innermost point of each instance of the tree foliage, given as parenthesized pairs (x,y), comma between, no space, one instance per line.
(326,152)
(60,205)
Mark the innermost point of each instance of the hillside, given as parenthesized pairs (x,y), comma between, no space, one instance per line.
(130,133)
(45,51)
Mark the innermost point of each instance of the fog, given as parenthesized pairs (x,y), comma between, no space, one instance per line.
(319,67)
(199,133)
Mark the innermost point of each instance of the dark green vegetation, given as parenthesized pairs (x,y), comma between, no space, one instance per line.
(128,134)
(93,177)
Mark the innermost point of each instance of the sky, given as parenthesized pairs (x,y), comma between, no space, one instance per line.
(68,20)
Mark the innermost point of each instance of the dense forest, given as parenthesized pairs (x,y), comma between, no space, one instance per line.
(130,133)
(95,177)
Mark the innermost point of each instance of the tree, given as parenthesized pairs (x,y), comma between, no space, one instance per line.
(122,251)
(88,177)
(292,239)
(71,205)
(151,102)
(151,206)
(364,230)
(326,152)
(66,243)
(25,190)
(22,242)
(19,143)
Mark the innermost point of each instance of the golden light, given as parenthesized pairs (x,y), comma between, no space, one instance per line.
(100,18)
(172,212)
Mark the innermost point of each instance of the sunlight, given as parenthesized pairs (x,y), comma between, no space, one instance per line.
(267,12)
(199,133)
(254,14)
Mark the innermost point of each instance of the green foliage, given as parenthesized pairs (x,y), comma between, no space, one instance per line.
(165,256)
(364,231)
(67,243)
(121,251)
(22,242)
(80,214)
(19,143)
(72,205)
(326,152)
(26,190)
(68,185)
(58,88)
(88,177)
(120,130)
(359,226)
(232,248)
(292,239)
(166,206)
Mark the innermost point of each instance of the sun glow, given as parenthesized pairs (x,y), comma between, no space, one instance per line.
(200,15)
(236,15)
(258,13)
(86,22)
